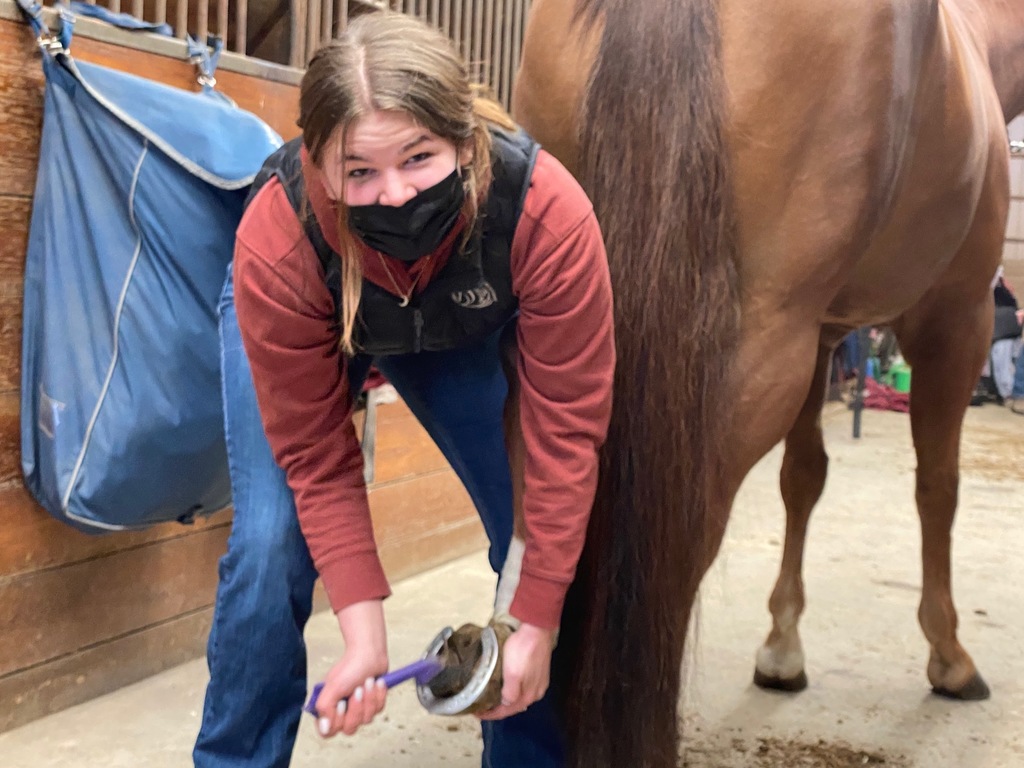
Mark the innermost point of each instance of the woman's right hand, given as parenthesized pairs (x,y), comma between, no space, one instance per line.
(355,675)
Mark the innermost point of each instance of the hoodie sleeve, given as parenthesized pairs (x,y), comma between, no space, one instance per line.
(285,314)
(566,363)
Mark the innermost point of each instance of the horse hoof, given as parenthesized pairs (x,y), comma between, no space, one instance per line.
(792,685)
(975,690)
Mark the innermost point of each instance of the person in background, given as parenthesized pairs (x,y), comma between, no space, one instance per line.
(997,377)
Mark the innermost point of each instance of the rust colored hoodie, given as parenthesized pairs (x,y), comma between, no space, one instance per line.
(560,276)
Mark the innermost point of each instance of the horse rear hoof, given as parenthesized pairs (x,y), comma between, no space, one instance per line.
(792,685)
(976,689)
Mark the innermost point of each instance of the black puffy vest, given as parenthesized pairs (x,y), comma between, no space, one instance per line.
(469,299)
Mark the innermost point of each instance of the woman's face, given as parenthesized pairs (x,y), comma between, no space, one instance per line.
(388,161)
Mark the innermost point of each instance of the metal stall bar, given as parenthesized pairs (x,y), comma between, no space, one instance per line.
(312,29)
(446,16)
(506,53)
(181,22)
(475,58)
(487,63)
(326,21)
(298,33)
(519,20)
(241,26)
(221,27)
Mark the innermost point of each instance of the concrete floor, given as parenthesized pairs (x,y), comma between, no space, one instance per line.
(868,702)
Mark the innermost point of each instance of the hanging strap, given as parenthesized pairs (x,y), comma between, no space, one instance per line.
(33,13)
(49,42)
(67,25)
(205,58)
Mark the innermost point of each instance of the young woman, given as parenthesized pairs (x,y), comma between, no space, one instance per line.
(412,228)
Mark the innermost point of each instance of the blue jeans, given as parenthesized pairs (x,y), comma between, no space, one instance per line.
(256,652)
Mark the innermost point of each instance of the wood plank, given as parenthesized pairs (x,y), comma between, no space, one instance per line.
(14,227)
(10,438)
(14,218)
(21,105)
(402,559)
(32,540)
(79,677)
(10,336)
(56,612)
(404,449)
(423,522)
(411,520)
(413,508)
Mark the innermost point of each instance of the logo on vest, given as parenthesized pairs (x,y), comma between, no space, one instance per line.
(480,297)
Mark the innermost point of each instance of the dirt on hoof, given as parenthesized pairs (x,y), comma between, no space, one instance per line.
(780,753)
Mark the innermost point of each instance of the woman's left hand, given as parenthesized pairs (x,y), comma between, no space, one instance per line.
(526,670)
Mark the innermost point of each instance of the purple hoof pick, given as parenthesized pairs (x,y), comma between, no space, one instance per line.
(423,671)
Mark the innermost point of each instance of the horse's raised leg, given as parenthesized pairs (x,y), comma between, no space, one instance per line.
(946,350)
(780,661)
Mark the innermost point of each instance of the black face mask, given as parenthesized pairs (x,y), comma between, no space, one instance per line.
(414,229)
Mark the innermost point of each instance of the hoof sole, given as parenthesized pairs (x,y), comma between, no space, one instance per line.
(975,690)
(792,685)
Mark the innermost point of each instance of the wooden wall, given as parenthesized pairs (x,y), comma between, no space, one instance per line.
(1013,253)
(82,615)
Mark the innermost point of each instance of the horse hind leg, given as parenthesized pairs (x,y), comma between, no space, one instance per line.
(945,337)
(780,661)
(946,350)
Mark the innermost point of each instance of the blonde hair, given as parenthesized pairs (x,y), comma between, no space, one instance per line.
(390,61)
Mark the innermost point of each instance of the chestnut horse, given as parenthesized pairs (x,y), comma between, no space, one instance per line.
(769,175)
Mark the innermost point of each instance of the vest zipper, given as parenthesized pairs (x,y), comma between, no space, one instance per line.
(417,321)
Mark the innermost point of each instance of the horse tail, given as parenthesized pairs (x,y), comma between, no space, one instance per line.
(653,161)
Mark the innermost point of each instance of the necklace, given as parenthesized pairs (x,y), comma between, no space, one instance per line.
(405,296)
